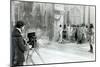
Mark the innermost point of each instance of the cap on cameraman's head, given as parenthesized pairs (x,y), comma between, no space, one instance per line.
(19,24)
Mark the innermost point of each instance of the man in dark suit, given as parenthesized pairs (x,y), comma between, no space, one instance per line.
(18,45)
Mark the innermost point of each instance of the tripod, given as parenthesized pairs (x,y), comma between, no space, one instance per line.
(29,56)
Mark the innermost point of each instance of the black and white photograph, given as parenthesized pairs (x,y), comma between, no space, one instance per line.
(51,33)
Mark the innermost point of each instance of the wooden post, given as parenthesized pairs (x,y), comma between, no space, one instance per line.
(88,14)
(83,14)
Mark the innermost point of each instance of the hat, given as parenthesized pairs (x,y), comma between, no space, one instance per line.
(20,24)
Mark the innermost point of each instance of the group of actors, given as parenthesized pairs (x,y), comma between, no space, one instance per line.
(77,33)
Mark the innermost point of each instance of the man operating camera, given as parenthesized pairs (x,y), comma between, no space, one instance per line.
(18,45)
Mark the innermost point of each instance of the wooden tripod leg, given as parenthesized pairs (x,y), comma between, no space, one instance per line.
(39,55)
(31,57)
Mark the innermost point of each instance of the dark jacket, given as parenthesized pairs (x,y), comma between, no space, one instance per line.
(18,46)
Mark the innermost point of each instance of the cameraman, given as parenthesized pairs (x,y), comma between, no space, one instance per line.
(18,45)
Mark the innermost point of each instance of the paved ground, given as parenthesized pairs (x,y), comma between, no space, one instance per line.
(53,52)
